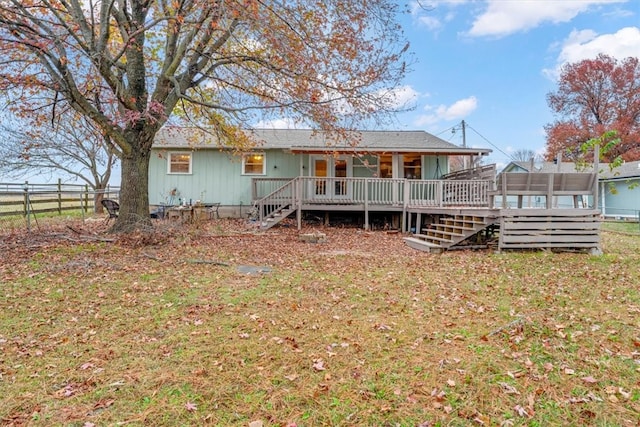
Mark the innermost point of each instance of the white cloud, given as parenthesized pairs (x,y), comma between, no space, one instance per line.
(400,97)
(586,44)
(502,18)
(457,110)
(281,123)
(432,23)
(434,15)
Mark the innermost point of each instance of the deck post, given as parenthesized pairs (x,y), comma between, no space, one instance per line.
(550,191)
(504,191)
(405,203)
(596,166)
(366,204)
(298,192)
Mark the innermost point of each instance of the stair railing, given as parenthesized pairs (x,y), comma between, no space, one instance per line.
(277,201)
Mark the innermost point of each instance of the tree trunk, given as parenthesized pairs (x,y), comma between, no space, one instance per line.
(97,201)
(134,192)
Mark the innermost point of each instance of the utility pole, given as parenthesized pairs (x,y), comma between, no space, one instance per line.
(465,162)
(464,135)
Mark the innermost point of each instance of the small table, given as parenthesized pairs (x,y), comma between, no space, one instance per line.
(182,213)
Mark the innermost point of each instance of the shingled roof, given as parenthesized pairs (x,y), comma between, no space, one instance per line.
(308,141)
(624,171)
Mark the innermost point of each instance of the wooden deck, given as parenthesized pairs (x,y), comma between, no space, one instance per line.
(453,210)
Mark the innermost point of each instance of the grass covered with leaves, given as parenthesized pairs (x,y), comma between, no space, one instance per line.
(170,329)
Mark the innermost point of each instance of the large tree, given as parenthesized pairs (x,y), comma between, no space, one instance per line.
(72,146)
(525,155)
(595,96)
(130,65)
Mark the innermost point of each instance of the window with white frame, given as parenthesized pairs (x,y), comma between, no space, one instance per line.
(179,163)
(254,164)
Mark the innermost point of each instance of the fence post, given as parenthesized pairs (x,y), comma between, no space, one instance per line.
(25,187)
(27,203)
(59,196)
(86,198)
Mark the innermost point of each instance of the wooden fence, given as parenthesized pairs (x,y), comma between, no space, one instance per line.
(22,199)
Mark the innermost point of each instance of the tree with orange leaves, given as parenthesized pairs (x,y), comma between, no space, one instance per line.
(133,66)
(595,96)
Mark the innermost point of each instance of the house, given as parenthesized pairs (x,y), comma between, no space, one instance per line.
(402,176)
(620,192)
(189,164)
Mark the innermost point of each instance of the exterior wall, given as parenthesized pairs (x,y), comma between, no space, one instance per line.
(620,200)
(216,177)
(433,167)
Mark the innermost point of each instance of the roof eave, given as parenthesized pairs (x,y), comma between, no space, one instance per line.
(355,150)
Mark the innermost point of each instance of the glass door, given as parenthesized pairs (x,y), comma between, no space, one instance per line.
(320,169)
(340,170)
(337,170)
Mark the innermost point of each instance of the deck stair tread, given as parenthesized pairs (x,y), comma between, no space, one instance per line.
(423,245)
(441,233)
(428,238)
(439,227)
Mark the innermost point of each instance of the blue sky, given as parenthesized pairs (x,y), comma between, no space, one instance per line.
(492,63)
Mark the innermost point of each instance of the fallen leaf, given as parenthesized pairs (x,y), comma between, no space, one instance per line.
(318,365)
(508,388)
(624,393)
(521,411)
(589,380)
(190,406)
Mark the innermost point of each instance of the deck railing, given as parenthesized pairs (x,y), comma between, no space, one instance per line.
(374,191)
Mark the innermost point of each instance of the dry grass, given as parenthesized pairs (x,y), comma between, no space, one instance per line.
(164,329)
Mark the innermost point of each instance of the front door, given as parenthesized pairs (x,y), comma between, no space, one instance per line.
(332,168)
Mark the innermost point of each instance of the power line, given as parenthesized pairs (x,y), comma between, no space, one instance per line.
(489,142)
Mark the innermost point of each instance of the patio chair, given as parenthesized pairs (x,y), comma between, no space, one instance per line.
(112,208)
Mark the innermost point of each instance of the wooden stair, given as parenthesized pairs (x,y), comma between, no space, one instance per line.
(448,232)
(275,218)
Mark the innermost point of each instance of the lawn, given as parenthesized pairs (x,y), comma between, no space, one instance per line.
(223,325)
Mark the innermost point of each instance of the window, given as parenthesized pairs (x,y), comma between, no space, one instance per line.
(386,166)
(179,163)
(254,164)
(412,166)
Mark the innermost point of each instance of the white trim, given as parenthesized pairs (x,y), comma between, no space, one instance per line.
(181,153)
(264,163)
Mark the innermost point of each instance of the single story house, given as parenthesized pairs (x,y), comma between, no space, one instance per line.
(189,164)
(401,178)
